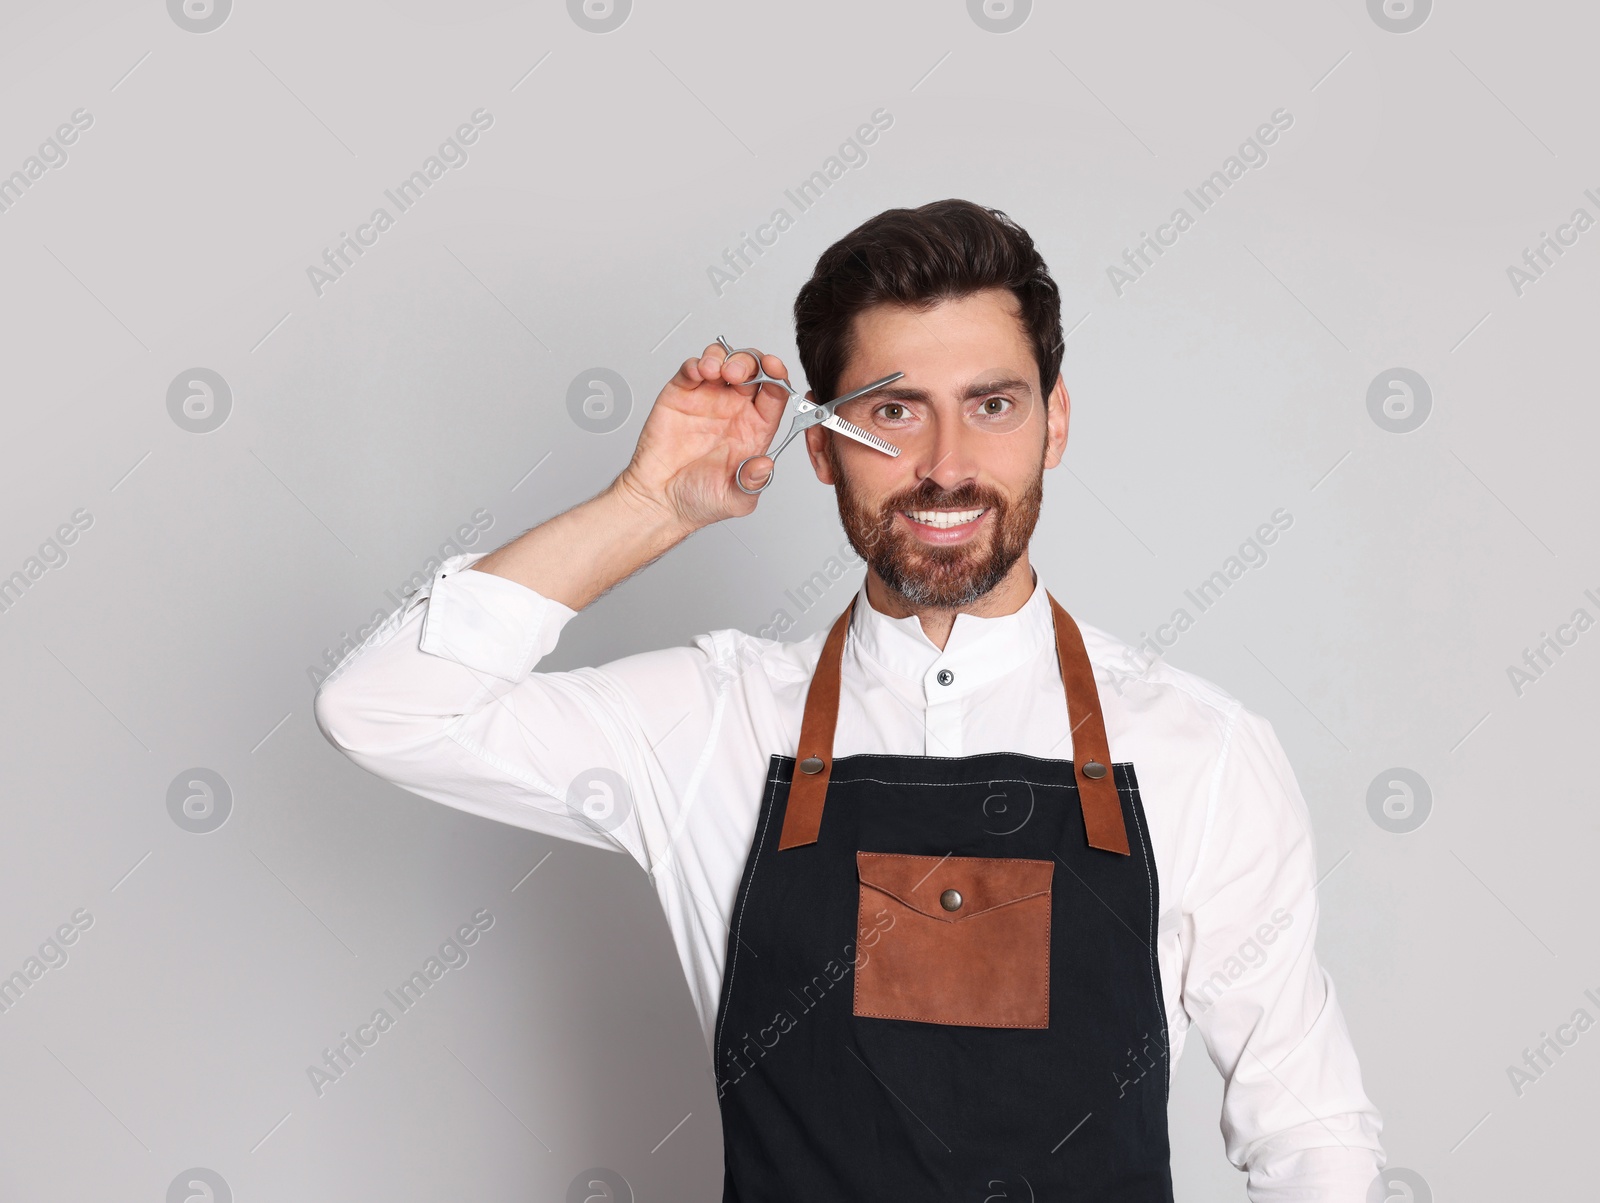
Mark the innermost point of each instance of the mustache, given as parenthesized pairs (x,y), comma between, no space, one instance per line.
(930,496)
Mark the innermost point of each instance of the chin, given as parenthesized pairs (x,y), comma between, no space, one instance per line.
(945,578)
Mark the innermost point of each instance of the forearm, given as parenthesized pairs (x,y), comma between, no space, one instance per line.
(680,478)
(445,703)
(578,555)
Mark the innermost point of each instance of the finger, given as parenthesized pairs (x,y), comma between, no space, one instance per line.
(709,364)
(689,374)
(772,366)
(739,367)
(771,402)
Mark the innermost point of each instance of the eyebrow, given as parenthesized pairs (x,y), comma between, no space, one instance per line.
(980,388)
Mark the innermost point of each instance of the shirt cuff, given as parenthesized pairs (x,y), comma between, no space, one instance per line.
(487,622)
(1318,1175)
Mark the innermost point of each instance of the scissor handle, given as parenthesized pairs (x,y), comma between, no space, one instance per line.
(738,473)
(738,476)
(761,376)
(758,379)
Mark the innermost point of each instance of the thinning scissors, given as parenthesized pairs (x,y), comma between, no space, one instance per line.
(810,415)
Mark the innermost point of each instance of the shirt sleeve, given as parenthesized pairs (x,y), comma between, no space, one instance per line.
(442,699)
(1294,1114)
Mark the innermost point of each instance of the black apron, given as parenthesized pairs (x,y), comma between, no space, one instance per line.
(949,989)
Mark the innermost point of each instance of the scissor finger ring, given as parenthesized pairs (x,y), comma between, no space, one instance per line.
(761,376)
(738,475)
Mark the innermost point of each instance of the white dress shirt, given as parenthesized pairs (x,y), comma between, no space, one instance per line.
(443,700)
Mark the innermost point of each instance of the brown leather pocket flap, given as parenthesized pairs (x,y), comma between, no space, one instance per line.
(984,882)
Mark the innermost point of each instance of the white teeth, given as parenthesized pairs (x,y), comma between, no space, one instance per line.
(943,519)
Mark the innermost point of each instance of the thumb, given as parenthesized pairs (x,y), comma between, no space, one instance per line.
(753,474)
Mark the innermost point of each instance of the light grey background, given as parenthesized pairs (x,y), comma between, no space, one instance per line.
(219,570)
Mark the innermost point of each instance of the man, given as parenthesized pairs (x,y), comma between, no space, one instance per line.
(945,905)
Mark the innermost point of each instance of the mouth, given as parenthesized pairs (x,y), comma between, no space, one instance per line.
(944,526)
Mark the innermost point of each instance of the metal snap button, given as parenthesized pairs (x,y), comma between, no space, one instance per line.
(811,765)
(945,676)
(1093,770)
(950,900)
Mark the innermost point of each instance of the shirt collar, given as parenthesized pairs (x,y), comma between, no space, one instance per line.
(978,652)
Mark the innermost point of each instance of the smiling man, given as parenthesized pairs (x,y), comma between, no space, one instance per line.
(947,908)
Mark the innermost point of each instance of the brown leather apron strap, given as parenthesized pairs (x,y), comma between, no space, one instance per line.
(1091,752)
(802,818)
(1097,791)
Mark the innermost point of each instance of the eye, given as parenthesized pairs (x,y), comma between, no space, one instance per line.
(892,411)
(995,405)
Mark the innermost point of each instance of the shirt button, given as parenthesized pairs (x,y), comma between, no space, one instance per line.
(945,676)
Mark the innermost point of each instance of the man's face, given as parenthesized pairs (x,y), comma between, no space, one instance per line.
(946,520)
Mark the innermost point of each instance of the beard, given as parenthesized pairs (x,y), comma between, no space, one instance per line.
(931,576)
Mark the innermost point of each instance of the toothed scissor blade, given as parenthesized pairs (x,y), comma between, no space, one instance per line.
(850,429)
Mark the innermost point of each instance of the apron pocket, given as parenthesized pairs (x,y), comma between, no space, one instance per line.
(954,939)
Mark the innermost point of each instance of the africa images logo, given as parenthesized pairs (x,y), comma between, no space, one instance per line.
(451,153)
(1252,154)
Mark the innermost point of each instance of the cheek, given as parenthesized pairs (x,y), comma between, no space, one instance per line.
(872,474)
(1013,460)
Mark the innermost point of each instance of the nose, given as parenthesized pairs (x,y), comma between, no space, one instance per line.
(945,454)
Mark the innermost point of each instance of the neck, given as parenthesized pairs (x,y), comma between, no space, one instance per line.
(1009,596)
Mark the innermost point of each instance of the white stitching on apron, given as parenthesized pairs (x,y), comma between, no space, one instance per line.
(951,784)
(739,924)
(1161,1006)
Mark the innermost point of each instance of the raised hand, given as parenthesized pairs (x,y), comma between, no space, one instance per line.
(704,422)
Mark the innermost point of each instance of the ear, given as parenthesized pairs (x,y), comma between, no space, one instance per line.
(1055,423)
(816,447)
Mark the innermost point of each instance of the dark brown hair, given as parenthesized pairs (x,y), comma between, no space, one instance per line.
(918,257)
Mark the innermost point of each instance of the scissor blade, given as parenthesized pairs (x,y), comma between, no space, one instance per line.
(834,422)
(851,430)
(865,389)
